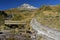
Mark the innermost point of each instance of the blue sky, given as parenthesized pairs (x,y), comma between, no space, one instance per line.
(7,4)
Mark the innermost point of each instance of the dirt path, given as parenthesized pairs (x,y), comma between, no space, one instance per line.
(49,32)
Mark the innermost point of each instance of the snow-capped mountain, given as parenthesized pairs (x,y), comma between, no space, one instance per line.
(27,6)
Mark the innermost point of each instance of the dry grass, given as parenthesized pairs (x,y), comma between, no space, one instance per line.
(50,18)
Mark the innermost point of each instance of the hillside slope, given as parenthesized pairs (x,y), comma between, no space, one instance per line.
(49,16)
(22,12)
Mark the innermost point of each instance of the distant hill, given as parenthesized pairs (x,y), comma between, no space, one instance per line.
(49,16)
(22,12)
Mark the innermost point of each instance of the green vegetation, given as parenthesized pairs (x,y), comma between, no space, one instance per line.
(19,14)
(1,19)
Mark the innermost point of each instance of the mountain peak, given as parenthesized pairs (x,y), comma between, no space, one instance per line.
(27,6)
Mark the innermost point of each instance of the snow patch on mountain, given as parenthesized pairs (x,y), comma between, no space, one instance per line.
(27,6)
